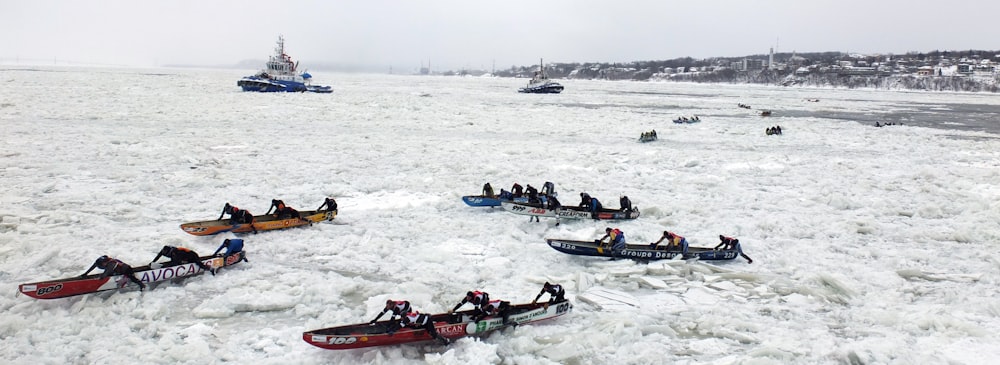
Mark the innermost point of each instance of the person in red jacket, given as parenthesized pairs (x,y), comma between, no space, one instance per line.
(397,307)
(675,242)
(477,298)
(729,243)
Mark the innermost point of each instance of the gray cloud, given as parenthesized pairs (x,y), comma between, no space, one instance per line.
(455,34)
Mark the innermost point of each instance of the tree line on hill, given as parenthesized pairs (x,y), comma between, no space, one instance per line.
(811,69)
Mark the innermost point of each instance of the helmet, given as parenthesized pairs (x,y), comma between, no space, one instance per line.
(721,237)
(469,295)
(607,229)
(103,258)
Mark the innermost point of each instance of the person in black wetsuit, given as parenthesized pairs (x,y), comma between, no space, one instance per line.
(556,293)
(181,255)
(237,216)
(397,307)
(330,203)
(282,211)
(113,266)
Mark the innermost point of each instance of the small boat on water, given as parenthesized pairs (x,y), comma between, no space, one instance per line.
(641,252)
(447,325)
(540,83)
(648,136)
(281,75)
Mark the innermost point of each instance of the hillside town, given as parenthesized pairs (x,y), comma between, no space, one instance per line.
(970,70)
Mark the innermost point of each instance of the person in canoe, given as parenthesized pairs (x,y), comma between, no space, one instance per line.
(584,200)
(556,293)
(499,308)
(112,266)
(397,307)
(730,243)
(548,189)
(232,245)
(488,190)
(181,255)
(477,298)
(626,204)
(419,320)
(329,203)
(675,242)
(532,194)
(595,206)
(615,237)
(237,216)
(282,211)
(517,190)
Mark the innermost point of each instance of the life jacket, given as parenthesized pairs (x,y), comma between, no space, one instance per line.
(491,307)
(478,298)
(617,236)
(730,242)
(400,307)
(553,289)
(415,319)
(674,238)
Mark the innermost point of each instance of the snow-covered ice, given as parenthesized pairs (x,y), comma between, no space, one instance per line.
(870,245)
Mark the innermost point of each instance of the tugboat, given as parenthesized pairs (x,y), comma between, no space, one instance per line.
(280,75)
(540,83)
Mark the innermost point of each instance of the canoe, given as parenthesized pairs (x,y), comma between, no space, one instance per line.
(94,283)
(448,325)
(264,222)
(639,252)
(571,212)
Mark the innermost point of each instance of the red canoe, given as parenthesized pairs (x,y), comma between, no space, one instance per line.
(94,283)
(449,325)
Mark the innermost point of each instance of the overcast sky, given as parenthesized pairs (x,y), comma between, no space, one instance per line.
(454,34)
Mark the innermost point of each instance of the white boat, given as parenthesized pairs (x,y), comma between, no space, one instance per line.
(540,83)
(281,76)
